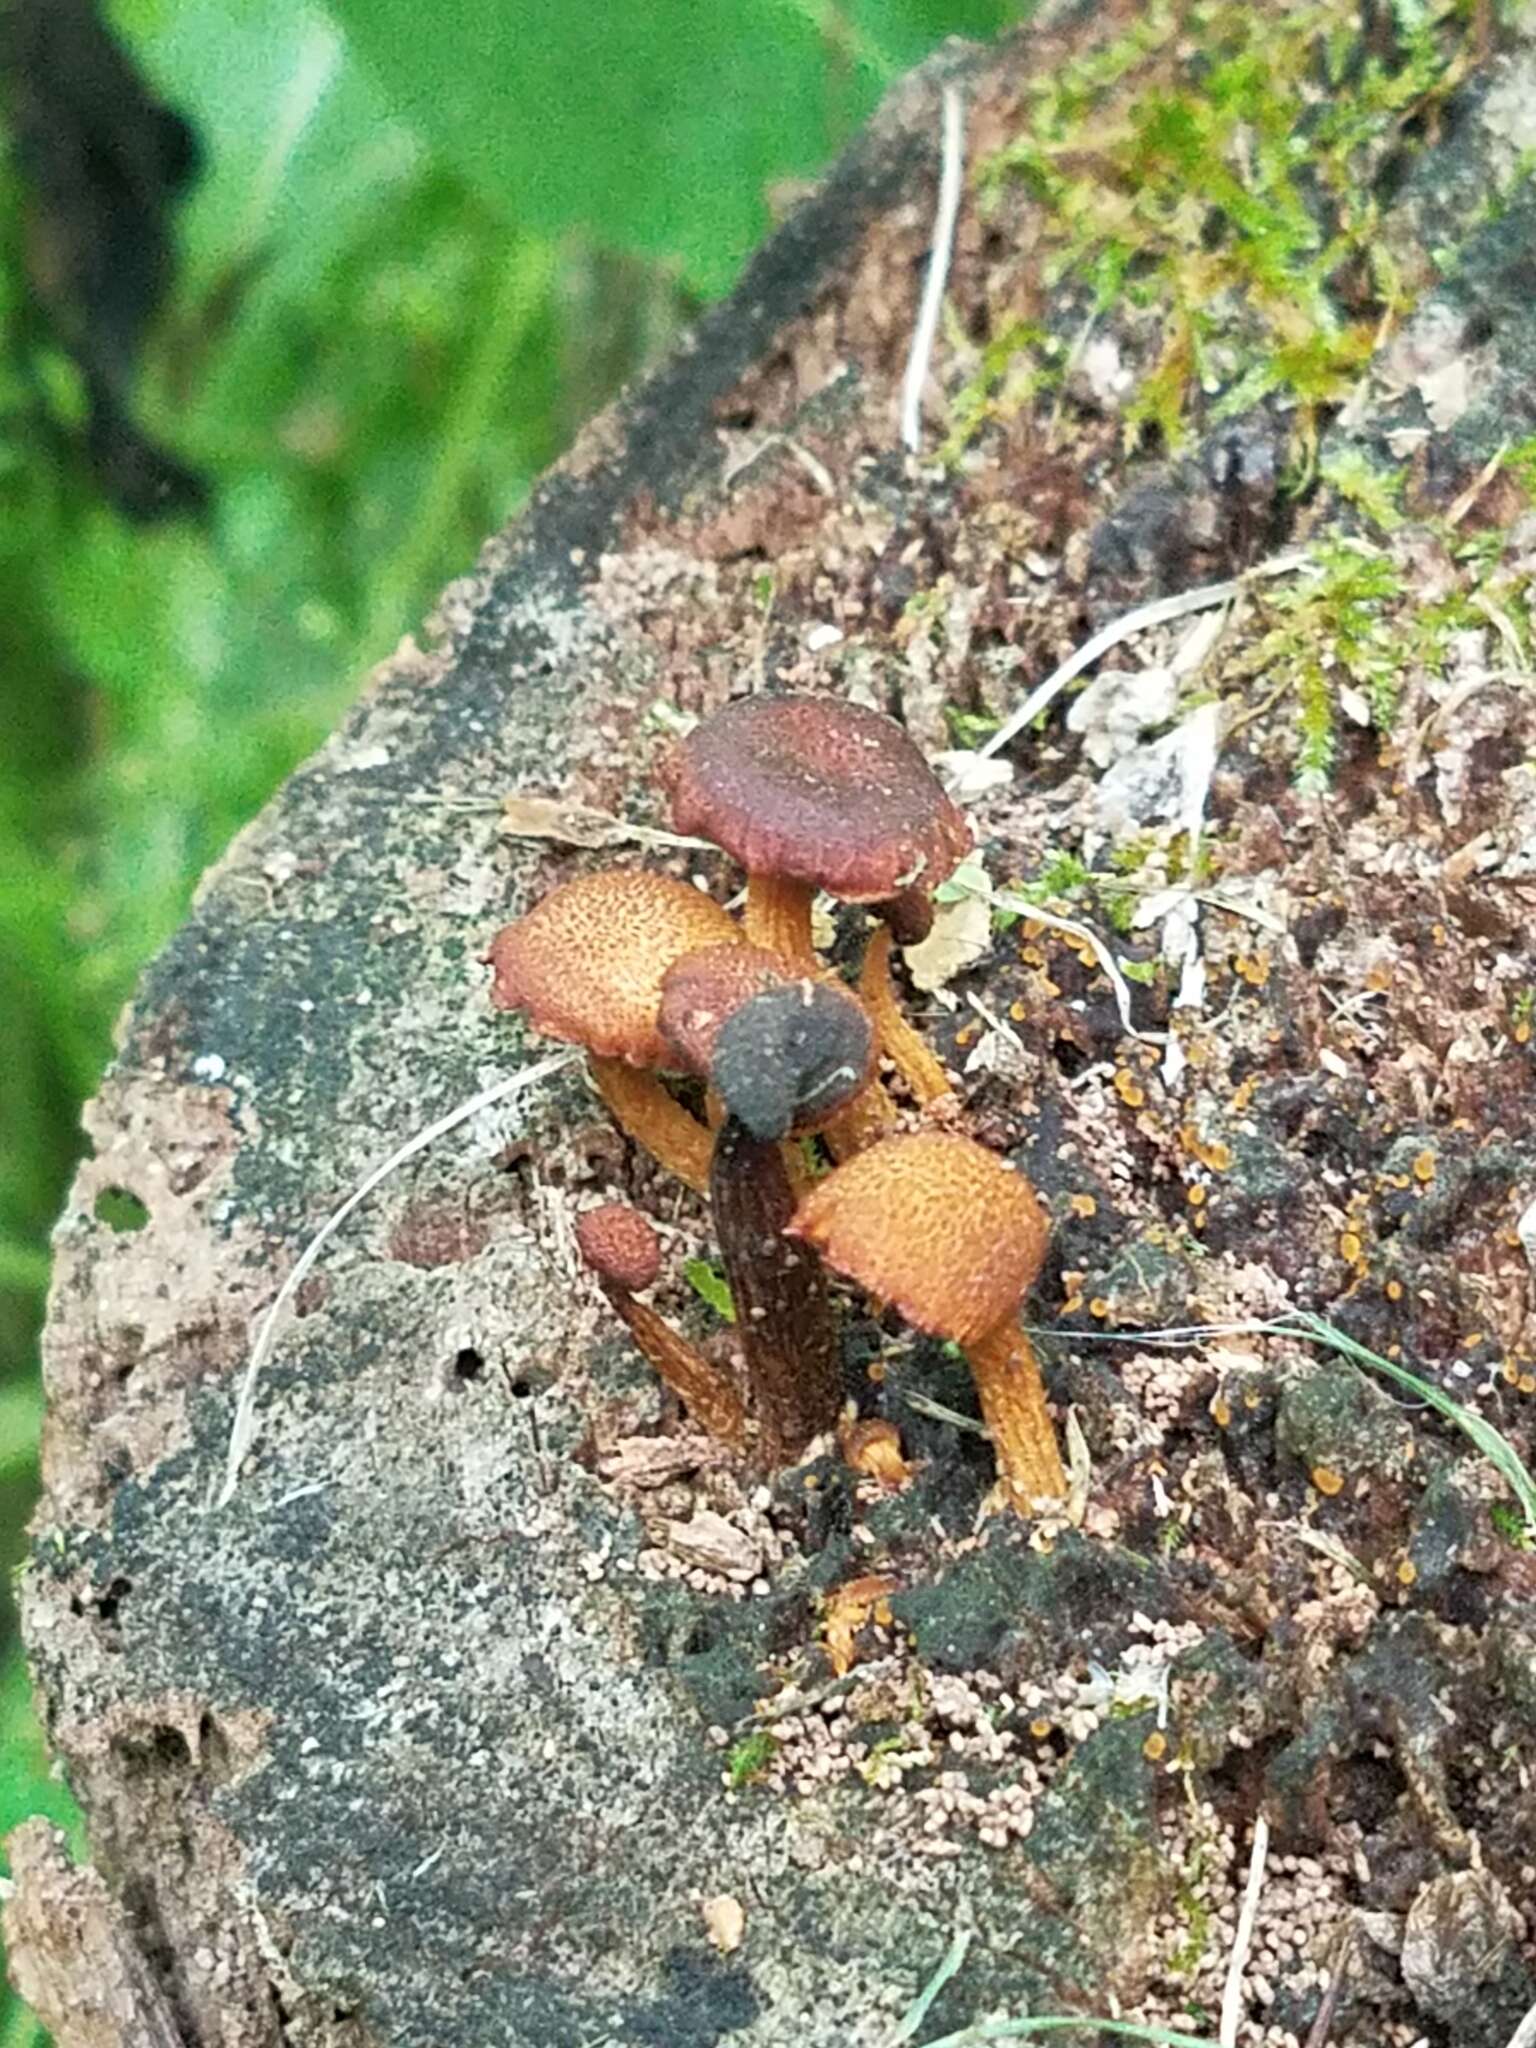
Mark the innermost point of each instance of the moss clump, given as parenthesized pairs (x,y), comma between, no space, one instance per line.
(1230,199)
(1354,621)
(750,1758)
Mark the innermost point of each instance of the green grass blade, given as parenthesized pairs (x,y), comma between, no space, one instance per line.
(919,2009)
(1028,2030)
(1491,1442)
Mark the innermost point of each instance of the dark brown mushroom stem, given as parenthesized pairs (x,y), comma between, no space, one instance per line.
(914,1059)
(783,1312)
(786,1060)
(909,914)
(621,1251)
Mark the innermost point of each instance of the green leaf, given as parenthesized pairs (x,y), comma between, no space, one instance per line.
(709,1285)
(658,128)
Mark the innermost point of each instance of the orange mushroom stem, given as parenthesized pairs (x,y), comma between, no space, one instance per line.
(621,1250)
(942,1229)
(778,918)
(910,1053)
(640,1105)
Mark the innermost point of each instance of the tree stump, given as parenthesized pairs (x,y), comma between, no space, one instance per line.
(494,1710)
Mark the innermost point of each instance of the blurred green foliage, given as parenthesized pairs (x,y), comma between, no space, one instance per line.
(421,248)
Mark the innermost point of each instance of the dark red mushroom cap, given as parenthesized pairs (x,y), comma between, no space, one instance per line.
(620,1245)
(820,792)
(701,990)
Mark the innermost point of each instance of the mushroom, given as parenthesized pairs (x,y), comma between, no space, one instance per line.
(914,1059)
(813,793)
(621,1249)
(786,1060)
(587,964)
(940,1227)
(700,993)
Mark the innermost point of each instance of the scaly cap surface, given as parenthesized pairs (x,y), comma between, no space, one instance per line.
(935,1224)
(587,962)
(817,791)
(620,1245)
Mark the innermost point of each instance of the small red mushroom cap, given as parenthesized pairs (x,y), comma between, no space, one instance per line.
(700,991)
(620,1245)
(587,962)
(935,1224)
(817,791)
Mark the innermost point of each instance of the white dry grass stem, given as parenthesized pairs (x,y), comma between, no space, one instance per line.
(242,1432)
(1242,1943)
(1005,899)
(950,185)
(1483,1435)
(1158,613)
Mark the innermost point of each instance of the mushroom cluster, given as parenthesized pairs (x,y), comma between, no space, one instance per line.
(655,979)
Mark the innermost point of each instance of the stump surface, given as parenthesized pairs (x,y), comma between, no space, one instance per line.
(424,1739)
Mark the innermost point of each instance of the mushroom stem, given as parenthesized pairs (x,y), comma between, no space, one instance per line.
(703,1389)
(914,1059)
(866,1120)
(909,914)
(783,1314)
(1012,1394)
(778,918)
(642,1107)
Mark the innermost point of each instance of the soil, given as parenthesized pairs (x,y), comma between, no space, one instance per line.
(498,1706)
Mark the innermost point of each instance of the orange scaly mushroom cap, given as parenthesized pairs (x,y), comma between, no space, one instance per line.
(935,1224)
(620,1245)
(820,792)
(587,963)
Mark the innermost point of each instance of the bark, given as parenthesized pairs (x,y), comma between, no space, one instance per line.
(422,1739)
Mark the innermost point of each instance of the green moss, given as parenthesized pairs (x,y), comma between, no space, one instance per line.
(1229,202)
(750,1758)
(968,728)
(1357,480)
(1346,625)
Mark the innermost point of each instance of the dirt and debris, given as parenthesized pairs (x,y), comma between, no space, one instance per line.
(555,1725)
